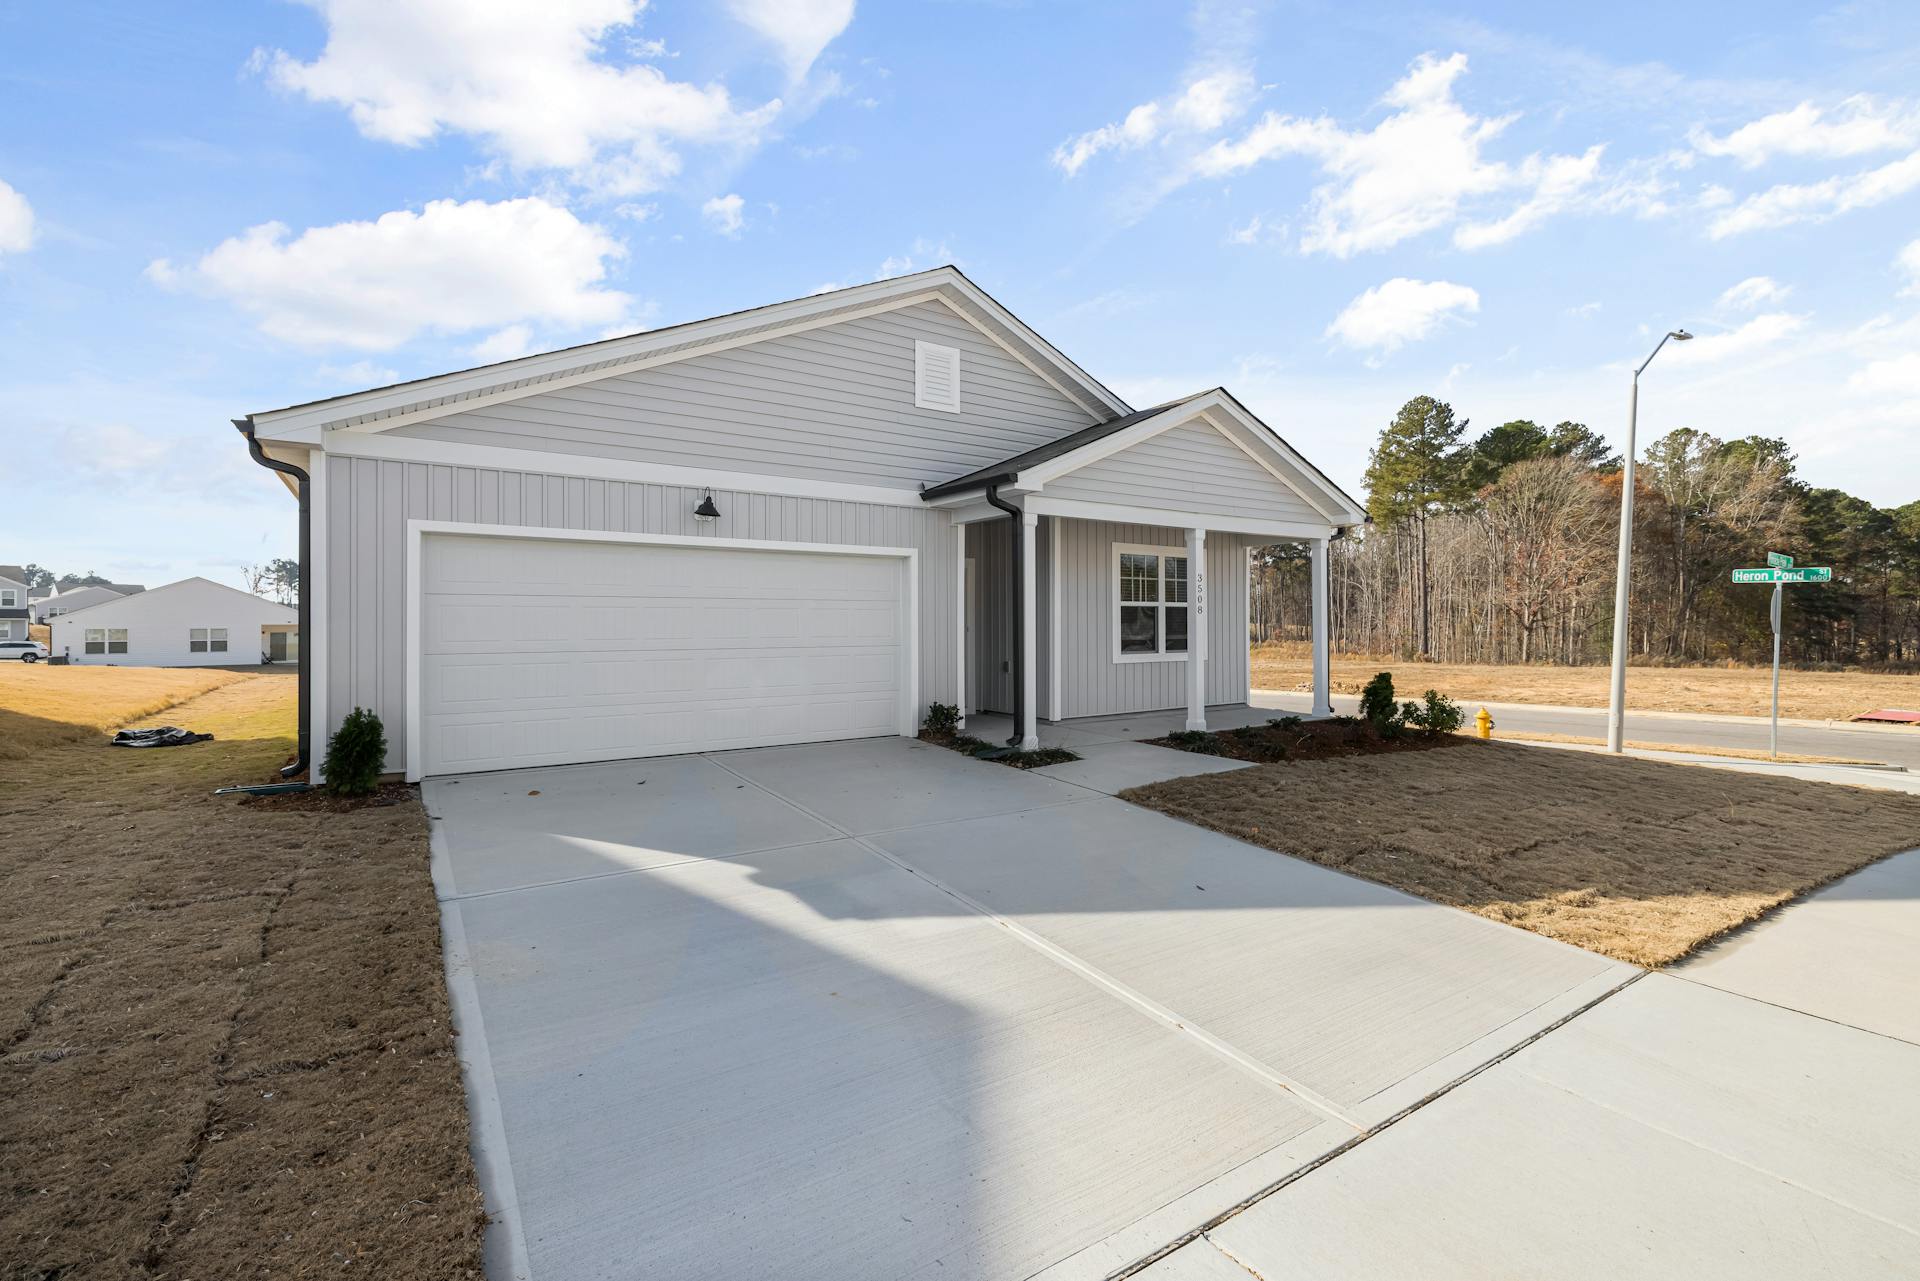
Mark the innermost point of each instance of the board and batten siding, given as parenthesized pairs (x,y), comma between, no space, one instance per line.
(1092,684)
(832,403)
(1192,465)
(369,502)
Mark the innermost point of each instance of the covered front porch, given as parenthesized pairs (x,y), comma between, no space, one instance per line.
(1107,575)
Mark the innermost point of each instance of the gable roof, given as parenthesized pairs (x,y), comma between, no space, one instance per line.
(383,407)
(14,574)
(144,595)
(1057,457)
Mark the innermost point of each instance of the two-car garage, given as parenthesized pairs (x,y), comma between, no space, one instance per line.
(555,649)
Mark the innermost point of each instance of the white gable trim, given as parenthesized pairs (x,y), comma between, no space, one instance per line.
(1220,413)
(383,408)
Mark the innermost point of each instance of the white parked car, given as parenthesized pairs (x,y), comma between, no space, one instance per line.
(26,651)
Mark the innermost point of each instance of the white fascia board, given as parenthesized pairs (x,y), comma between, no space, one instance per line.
(1167,519)
(411,450)
(380,409)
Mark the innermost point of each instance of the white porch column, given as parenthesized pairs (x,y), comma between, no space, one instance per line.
(1322,632)
(1196,629)
(1029,633)
(961,675)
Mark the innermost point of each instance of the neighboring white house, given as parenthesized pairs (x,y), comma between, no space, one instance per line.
(192,623)
(784,525)
(73,599)
(15,612)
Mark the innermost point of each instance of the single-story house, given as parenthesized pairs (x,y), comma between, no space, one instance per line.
(73,599)
(195,622)
(15,612)
(801,522)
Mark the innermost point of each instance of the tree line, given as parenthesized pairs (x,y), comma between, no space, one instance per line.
(1500,548)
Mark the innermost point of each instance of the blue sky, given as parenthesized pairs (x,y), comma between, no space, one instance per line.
(208,209)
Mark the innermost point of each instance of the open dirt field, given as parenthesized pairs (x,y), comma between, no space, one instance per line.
(1745,691)
(1640,860)
(225,1049)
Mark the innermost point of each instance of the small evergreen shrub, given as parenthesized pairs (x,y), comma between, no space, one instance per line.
(356,755)
(1287,722)
(1195,740)
(1376,703)
(1441,715)
(941,718)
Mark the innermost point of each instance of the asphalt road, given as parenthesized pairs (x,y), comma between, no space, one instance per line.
(1893,747)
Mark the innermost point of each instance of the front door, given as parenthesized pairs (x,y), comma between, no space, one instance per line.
(277,646)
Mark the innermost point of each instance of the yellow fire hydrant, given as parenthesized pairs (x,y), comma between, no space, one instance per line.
(1485,723)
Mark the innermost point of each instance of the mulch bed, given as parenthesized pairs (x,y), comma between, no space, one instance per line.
(321,801)
(1300,740)
(980,749)
(226,1048)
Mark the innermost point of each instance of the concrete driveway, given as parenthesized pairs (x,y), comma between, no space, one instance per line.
(873,1009)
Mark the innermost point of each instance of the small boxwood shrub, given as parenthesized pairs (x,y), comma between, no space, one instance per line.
(941,718)
(356,754)
(1195,740)
(1441,715)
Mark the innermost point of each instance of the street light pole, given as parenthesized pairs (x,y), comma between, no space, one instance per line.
(1617,700)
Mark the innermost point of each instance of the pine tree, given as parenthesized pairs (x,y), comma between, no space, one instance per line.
(1416,469)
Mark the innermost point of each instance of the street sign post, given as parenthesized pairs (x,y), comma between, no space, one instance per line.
(1780,571)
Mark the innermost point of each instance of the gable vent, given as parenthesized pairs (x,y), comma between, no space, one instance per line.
(936,377)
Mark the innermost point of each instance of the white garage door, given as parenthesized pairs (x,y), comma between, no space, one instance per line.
(544,652)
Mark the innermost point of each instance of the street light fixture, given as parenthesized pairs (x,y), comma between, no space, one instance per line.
(1617,701)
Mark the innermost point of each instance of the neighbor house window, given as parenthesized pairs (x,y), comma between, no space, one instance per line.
(96,640)
(116,640)
(9,598)
(207,640)
(1150,603)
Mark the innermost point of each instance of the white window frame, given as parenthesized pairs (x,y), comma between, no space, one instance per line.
(925,354)
(125,642)
(6,629)
(1162,654)
(206,640)
(9,598)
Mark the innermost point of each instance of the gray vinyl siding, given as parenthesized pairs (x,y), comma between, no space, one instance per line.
(832,403)
(369,502)
(1092,684)
(1187,468)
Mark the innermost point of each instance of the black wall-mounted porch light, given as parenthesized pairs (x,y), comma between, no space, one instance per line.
(706,511)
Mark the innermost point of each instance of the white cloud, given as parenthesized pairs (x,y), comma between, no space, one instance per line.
(799,29)
(1752,292)
(1896,377)
(451,268)
(509,343)
(1761,332)
(531,81)
(1909,263)
(1790,203)
(1206,103)
(1411,173)
(361,373)
(1857,126)
(1247,235)
(16,221)
(724,214)
(1584,310)
(1401,311)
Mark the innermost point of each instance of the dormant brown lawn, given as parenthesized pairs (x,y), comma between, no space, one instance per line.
(1743,691)
(225,1049)
(1640,860)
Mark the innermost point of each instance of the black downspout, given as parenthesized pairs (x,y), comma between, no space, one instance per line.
(305,704)
(1019,612)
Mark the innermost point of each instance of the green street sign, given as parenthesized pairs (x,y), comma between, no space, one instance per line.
(1805,574)
(1779,561)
